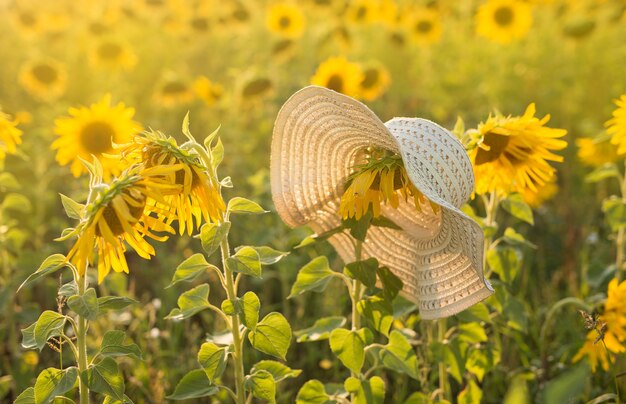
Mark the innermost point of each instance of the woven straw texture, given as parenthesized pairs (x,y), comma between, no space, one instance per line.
(320,134)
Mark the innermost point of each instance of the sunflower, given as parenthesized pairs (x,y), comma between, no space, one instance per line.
(424,26)
(44,79)
(256,88)
(375,82)
(504,20)
(174,92)
(511,154)
(112,54)
(285,20)
(597,151)
(616,126)
(382,179)
(597,348)
(362,11)
(120,215)
(27,21)
(200,196)
(207,91)
(91,131)
(10,136)
(339,75)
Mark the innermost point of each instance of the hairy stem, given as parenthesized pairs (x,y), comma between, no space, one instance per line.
(443,373)
(231,292)
(81,340)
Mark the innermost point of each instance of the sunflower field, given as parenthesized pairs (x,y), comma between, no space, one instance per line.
(200,202)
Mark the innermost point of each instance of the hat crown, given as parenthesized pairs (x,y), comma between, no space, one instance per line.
(435,160)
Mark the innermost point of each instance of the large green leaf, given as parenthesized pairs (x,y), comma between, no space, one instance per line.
(608,170)
(190,269)
(482,360)
(370,391)
(358,228)
(212,358)
(28,337)
(191,302)
(73,209)
(53,382)
(471,333)
(377,312)
(268,255)
(262,385)
(246,261)
(278,370)
(399,355)
(568,386)
(320,330)
(349,347)
(114,303)
(85,305)
(505,261)
(50,265)
(272,335)
(614,209)
(312,392)
(194,384)
(113,345)
(212,234)
(26,397)
(364,271)
(105,377)
(113,400)
(515,205)
(391,284)
(314,276)
(250,310)
(50,324)
(243,205)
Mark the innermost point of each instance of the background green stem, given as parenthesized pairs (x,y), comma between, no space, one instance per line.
(231,292)
(443,374)
(81,339)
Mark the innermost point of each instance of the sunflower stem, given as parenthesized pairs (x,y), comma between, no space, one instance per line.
(443,373)
(619,256)
(81,340)
(491,208)
(231,292)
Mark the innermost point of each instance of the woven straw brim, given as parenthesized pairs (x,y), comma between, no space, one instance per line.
(319,135)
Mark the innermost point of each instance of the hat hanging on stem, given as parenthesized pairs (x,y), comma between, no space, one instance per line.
(321,135)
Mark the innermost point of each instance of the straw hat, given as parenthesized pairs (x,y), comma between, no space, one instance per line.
(319,135)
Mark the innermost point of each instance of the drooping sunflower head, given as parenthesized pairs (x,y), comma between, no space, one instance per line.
(616,126)
(199,196)
(120,215)
(285,20)
(503,21)
(173,92)
(511,154)
(207,91)
(44,79)
(375,82)
(10,136)
(340,75)
(91,131)
(424,26)
(382,179)
(112,54)
(596,151)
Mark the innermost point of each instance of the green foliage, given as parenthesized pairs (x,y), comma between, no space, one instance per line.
(349,346)
(272,335)
(243,205)
(314,276)
(190,269)
(262,385)
(50,324)
(370,391)
(614,209)
(212,359)
(363,271)
(114,303)
(191,302)
(50,265)
(321,329)
(212,234)
(247,261)
(312,392)
(105,377)
(194,384)
(250,310)
(399,355)
(515,205)
(278,370)
(113,345)
(85,305)
(53,382)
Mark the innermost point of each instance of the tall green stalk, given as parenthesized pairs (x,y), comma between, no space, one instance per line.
(81,339)
(231,292)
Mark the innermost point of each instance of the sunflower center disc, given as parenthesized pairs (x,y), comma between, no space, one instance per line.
(113,221)
(497,144)
(503,16)
(174,87)
(45,73)
(109,51)
(423,27)
(371,78)
(335,82)
(96,137)
(284,22)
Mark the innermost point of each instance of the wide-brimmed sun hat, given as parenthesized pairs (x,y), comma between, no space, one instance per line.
(320,135)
